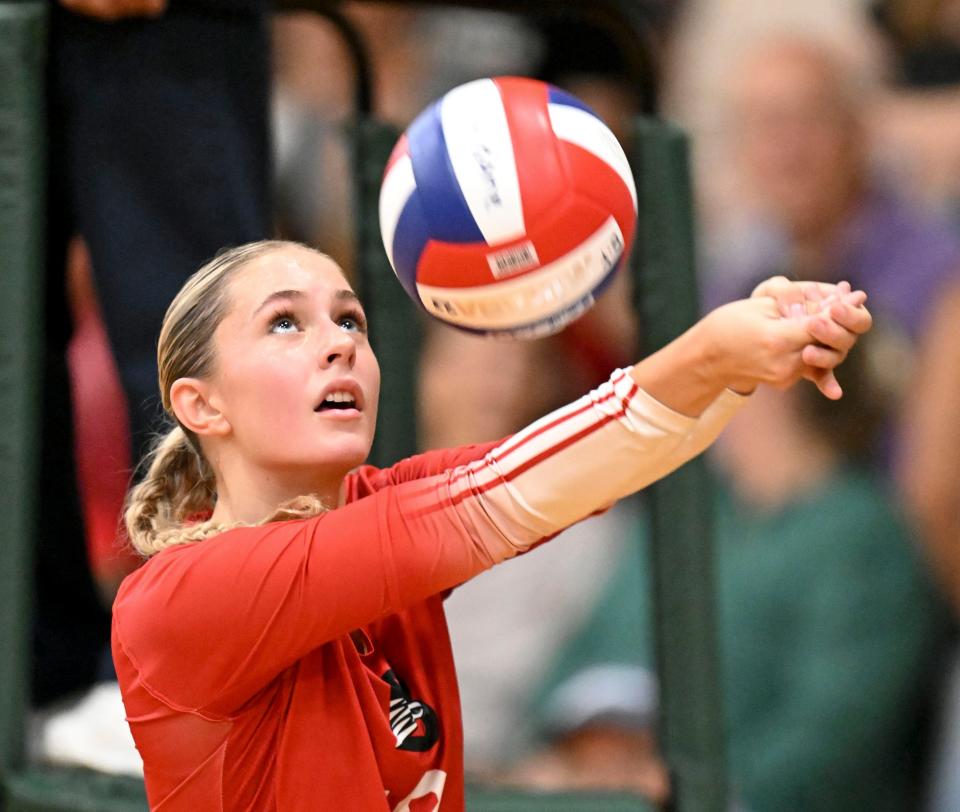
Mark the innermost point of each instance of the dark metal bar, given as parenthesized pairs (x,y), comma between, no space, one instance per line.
(362,73)
(623,19)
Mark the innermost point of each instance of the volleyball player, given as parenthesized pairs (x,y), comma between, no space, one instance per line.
(284,647)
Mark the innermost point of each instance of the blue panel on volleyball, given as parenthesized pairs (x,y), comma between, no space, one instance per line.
(411,237)
(443,203)
(557,96)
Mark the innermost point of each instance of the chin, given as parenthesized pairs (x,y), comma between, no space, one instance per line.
(344,458)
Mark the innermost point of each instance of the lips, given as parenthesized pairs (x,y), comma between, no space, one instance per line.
(340,395)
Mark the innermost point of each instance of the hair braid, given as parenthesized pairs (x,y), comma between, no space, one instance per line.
(178,484)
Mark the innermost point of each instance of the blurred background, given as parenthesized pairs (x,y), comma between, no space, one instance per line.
(826,145)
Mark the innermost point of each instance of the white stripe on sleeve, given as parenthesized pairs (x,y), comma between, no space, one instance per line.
(579,460)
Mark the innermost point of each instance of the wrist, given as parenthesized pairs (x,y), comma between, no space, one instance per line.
(714,366)
(684,375)
(720,368)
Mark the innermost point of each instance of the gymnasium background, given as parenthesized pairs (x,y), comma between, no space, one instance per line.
(804,661)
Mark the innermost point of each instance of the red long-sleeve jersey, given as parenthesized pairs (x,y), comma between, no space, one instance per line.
(305,665)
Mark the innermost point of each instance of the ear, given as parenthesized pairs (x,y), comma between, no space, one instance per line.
(190,399)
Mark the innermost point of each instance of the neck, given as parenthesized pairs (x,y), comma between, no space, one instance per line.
(249,495)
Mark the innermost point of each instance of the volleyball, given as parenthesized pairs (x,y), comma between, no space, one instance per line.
(506,207)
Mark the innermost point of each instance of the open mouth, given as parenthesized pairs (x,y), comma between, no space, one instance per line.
(337,402)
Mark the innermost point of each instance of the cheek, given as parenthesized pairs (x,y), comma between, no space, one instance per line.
(372,382)
(266,393)
(375,378)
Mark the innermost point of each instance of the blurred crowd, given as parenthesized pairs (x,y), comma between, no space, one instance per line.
(826,146)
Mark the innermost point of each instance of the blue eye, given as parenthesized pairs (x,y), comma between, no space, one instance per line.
(353,322)
(284,323)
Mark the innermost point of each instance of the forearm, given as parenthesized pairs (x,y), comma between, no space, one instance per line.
(684,375)
(580,460)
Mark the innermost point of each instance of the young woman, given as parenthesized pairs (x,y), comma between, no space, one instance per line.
(284,647)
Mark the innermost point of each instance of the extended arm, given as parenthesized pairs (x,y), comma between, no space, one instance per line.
(295,585)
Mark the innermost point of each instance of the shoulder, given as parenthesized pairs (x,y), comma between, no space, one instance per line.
(368,479)
(182,575)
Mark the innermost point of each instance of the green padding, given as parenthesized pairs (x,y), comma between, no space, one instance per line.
(395,323)
(681,522)
(22,32)
(64,790)
(69,790)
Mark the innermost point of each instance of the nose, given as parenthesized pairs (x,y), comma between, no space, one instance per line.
(338,347)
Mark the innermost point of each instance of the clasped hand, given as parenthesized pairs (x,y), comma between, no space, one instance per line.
(790,330)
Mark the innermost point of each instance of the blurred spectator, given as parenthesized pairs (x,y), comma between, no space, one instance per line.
(799,143)
(158,156)
(829,628)
(709,37)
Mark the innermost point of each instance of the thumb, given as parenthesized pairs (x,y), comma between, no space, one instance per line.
(826,382)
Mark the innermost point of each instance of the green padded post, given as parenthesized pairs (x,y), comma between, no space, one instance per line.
(22,42)
(51,789)
(680,506)
(396,332)
(395,323)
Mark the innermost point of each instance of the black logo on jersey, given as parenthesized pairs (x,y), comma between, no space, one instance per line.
(414,723)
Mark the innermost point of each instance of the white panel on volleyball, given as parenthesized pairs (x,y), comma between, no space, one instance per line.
(481,153)
(397,187)
(536,296)
(587,131)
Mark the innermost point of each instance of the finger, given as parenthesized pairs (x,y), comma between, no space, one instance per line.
(815,291)
(826,381)
(831,334)
(823,292)
(855,298)
(768,286)
(829,386)
(855,319)
(788,295)
(821,357)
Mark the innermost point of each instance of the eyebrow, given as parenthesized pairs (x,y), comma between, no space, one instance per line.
(340,295)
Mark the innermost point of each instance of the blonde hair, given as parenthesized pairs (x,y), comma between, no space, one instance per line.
(179,487)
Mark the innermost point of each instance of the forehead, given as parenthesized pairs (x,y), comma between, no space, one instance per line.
(785,76)
(288,268)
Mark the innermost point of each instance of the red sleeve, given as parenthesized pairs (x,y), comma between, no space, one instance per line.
(207,625)
(367,479)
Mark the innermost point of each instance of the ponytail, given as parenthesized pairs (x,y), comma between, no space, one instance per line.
(178,485)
